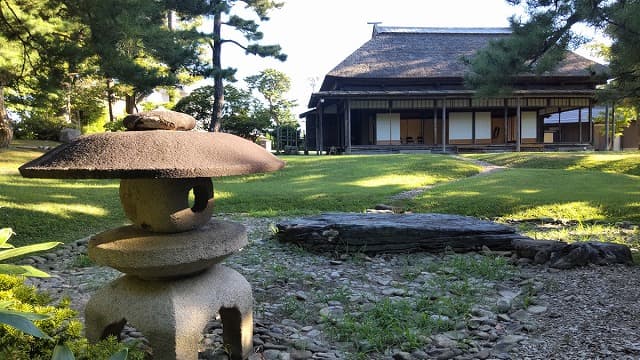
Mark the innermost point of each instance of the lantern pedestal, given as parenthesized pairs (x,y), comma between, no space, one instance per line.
(173,313)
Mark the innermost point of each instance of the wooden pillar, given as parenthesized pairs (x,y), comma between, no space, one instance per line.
(347,120)
(473,127)
(606,127)
(518,126)
(580,125)
(444,125)
(435,122)
(559,127)
(590,115)
(506,122)
(613,126)
(317,130)
(320,121)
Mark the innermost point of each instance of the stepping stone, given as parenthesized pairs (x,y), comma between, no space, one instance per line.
(387,233)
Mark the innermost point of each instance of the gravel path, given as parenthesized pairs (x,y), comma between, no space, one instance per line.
(535,313)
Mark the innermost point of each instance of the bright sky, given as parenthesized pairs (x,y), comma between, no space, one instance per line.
(318,34)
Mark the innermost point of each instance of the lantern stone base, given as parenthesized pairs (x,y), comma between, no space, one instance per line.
(172,314)
(148,255)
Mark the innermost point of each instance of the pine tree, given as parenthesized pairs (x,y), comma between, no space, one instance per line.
(539,42)
(39,45)
(137,43)
(221,13)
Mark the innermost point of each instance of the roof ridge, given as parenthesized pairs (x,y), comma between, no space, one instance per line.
(378,29)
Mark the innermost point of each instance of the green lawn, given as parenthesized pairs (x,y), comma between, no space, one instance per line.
(617,162)
(311,184)
(42,210)
(592,193)
(65,210)
(539,193)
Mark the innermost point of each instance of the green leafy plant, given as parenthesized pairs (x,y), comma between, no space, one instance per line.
(63,352)
(20,320)
(114,126)
(26,317)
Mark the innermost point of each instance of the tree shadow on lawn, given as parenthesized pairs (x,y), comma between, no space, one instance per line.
(42,210)
(621,163)
(534,193)
(345,183)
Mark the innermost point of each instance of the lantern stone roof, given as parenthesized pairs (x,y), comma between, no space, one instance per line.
(153,154)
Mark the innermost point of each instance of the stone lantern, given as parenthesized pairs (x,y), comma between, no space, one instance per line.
(173,283)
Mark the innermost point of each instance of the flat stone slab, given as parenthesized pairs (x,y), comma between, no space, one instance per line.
(388,233)
(374,233)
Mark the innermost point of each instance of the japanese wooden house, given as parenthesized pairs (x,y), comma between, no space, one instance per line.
(404,89)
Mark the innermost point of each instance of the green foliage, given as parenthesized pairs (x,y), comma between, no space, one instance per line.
(133,43)
(108,349)
(26,316)
(240,23)
(39,125)
(273,85)
(40,44)
(87,106)
(623,114)
(59,321)
(197,104)
(17,319)
(542,36)
(117,125)
(623,27)
(9,251)
(243,115)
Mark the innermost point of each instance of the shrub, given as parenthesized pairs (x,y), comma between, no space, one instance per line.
(31,326)
(114,126)
(39,126)
(61,324)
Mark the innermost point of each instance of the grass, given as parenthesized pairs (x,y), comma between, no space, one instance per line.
(618,162)
(41,210)
(586,187)
(590,192)
(64,210)
(538,193)
(309,185)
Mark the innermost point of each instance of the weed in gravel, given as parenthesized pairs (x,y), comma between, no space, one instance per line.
(340,294)
(298,310)
(474,266)
(446,300)
(82,261)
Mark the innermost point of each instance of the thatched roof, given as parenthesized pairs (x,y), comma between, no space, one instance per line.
(424,53)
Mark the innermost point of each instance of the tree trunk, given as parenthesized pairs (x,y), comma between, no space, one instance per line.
(130,103)
(218,86)
(110,100)
(6,134)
